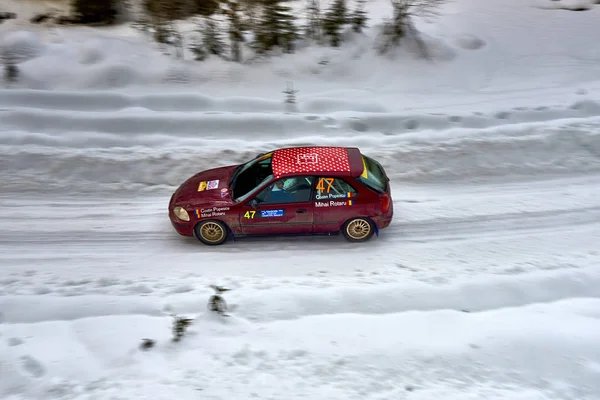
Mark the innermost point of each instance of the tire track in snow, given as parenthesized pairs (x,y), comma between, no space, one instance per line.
(499,224)
(429,231)
(466,213)
(119,235)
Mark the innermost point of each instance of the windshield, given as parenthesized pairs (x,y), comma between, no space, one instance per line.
(251,192)
(374,175)
(250,176)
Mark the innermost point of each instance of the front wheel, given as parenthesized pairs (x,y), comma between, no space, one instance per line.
(358,229)
(211,232)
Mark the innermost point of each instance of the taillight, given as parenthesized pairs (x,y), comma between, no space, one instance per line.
(385,202)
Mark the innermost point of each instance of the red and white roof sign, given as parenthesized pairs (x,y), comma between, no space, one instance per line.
(310,159)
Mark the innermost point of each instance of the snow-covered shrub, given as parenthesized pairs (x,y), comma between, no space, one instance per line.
(180,325)
(20,46)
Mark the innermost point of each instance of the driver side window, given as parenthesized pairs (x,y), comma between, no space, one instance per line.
(287,190)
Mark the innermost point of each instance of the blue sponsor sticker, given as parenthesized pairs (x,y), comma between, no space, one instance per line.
(271,213)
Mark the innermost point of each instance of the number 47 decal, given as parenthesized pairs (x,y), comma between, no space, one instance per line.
(249,214)
(321,184)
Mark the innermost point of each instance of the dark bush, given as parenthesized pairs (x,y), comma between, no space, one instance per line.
(7,15)
(39,18)
(95,11)
(11,73)
(206,8)
(180,9)
(169,9)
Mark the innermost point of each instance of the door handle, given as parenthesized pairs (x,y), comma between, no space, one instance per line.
(301,210)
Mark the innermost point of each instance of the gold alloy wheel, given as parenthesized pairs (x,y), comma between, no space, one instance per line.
(358,229)
(212,232)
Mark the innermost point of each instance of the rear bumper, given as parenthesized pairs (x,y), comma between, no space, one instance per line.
(383,222)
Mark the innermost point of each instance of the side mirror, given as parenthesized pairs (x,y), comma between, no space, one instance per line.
(254,204)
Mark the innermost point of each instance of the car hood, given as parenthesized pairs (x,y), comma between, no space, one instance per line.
(206,187)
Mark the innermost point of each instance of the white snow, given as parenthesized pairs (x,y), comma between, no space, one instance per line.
(485,286)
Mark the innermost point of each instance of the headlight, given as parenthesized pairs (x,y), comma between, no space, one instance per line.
(181,213)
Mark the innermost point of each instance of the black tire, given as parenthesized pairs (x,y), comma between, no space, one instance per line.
(358,229)
(211,232)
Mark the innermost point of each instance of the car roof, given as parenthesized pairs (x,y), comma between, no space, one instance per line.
(335,161)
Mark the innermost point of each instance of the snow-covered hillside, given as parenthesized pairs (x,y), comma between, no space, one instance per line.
(485,286)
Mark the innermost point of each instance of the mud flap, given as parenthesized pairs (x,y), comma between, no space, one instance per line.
(376,227)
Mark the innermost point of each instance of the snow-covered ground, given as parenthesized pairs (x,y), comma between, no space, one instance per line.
(485,286)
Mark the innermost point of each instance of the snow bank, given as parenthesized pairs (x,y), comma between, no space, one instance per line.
(93,101)
(535,352)
(499,54)
(284,303)
(571,5)
(63,308)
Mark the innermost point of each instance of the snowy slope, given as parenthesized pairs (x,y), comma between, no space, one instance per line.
(485,286)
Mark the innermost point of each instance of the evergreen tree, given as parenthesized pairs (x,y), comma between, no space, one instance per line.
(359,17)
(314,24)
(212,41)
(276,27)
(250,10)
(333,22)
(235,30)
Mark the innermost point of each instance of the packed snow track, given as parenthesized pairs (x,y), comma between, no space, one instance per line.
(495,239)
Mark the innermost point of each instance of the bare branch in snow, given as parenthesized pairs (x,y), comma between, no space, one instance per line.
(420,8)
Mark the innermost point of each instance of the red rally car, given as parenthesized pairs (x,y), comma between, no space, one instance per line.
(297,190)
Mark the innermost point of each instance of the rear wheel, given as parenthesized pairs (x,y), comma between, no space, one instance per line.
(211,232)
(358,229)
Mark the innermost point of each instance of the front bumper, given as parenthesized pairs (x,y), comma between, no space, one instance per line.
(184,228)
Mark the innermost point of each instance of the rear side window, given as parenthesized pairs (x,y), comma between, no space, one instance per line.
(373,175)
(332,189)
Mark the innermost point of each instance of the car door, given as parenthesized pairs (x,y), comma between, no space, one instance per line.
(335,201)
(283,207)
